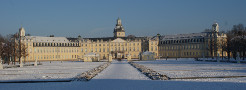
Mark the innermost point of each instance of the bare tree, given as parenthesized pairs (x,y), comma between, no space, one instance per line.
(236,40)
(1,45)
(24,51)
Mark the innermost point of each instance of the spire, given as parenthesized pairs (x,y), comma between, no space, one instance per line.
(119,22)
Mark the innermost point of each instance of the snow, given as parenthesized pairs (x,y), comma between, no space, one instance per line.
(47,71)
(189,68)
(121,70)
(122,76)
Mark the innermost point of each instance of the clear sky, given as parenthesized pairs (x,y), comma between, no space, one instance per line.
(97,18)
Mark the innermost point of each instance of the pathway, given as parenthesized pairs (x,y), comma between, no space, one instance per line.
(121,70)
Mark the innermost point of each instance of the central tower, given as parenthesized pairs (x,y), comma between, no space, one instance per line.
(119,30)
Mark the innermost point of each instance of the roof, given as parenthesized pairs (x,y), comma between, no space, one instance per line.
(113,38)
(183,36)
(48,39)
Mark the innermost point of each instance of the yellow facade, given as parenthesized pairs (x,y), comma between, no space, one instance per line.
(177,46)
(61,48)
(119,48)
(153,46)
(194,45)
(47,51)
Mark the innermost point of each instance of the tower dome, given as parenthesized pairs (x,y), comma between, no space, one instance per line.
(119,29)
(215,27)
(21,32)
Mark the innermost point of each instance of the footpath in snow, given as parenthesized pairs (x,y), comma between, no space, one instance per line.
(121,70)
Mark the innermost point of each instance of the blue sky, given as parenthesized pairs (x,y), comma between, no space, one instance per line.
(97,18)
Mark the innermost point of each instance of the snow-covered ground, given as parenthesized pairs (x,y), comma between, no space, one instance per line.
(189,68)
(121,70)
(47,71)
(122,76)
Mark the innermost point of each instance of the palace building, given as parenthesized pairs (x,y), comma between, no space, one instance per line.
(194,45)
(62,48)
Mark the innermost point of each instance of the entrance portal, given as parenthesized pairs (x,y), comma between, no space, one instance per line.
(118,54)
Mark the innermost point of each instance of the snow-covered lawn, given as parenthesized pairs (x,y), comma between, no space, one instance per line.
(120,76)
(189,68)
(47,71)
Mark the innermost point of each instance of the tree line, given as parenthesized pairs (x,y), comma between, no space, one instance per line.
(11,50)
(236,41)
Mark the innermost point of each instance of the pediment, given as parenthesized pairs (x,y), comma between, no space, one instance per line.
(118,40)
